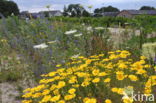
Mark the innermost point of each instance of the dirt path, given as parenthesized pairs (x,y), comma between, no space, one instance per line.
(9,93)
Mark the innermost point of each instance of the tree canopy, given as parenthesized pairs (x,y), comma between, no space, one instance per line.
(106,9)
(75,10)
(8,7)
(147,8)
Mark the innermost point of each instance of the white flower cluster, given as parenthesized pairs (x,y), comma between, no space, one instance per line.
(40,46)
(70,32)
(149,50)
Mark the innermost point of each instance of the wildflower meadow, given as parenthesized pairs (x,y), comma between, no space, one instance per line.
(79,60)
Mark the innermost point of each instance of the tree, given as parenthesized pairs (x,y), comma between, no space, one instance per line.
(8,7)
(106,9)
(65,11)
(147,8)
(75,10)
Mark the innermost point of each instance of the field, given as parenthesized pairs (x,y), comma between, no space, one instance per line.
(78,60)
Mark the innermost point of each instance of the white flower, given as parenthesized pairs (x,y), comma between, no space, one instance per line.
(89,28)
(40,46)
(76,56)
(77,35)
(83,24)
(108,40)
(70,32)
(99,28)
(148,50)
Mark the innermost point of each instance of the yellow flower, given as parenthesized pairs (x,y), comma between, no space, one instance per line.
(111,52)
(147,66)
(85,99)
(61,84)
(142,62)
(155,68)
(92,100)
(27,101)
(147,91)
(61,101)
(108,101)
(114,89)
(46,98)
(69,97)
(123,55)
(120,91)
(141,71)
(55,98)
(27,95)
(113,56)
(76,85)
(54,86)
(72,80)
(137,66)
(36,95)
(152,80)
(120,75)
(127,100)
(95,72)
(51,74)
(142,57)
(81,74)
(122,66)
(3,40)
(107,80)
(118,51)
(56,92)
(102,74)
(27,90)
(59,65)
(71,91)
(133,77)
(45,92)
(96,80)
(38,88)
(88,61)
(84,84)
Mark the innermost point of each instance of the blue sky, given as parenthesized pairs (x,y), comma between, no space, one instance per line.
(39,5)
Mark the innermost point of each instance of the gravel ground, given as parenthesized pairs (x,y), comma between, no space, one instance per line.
(9,93)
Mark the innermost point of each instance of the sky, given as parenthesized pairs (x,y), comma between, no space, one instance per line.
(40,5)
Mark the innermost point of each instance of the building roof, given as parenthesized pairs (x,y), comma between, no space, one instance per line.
(139,12)
(110,13)
(52,12)
(55,11)
(107,13)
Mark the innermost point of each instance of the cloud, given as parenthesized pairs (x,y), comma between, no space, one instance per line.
(37,8)
(114,1)
(39,5)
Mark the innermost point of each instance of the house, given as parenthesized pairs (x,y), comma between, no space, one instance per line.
(50,13)
(24,14)
(55,13)
(111,14)
(108,14)
(133,13)
(42,14)
(35,15)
